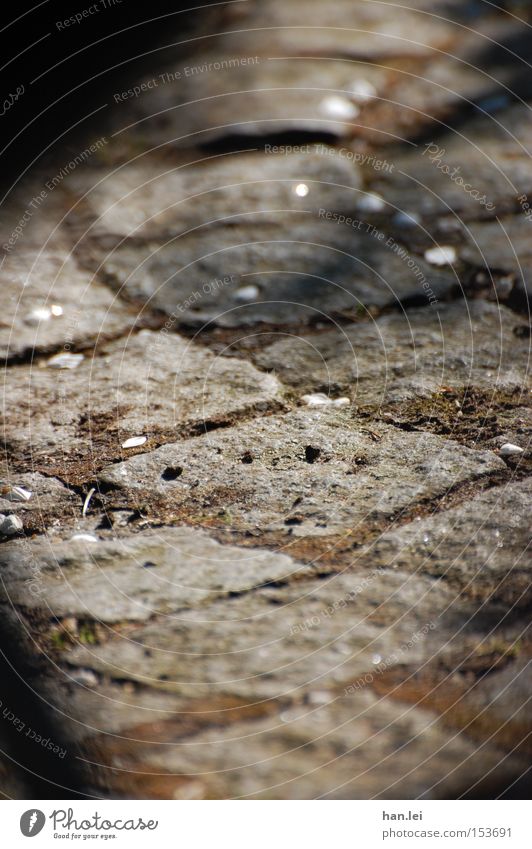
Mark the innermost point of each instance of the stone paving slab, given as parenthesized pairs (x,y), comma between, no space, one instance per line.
(136,577)
(481,548)
(401,356)
(281,268)
(152,201)
(356,747)
(49,304)
(264,594)
(149,384)
(305,473)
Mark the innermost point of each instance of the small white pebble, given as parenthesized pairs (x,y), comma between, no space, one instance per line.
(247,293)
(10,525)
(362,91)
(371,202)
(318,399)
(444,255)
(37,315)
(65,361)
(85,677)
(406,219)
(509,448)
(134,441)
(18,493)
(339,107)
(56,310)
(301,190)
(376,659)
(84,538)
(320,697)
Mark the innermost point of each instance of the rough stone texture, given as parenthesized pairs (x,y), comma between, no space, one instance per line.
(136,577)
(151,384)
(304,268)
(359,745)
(416,353)
(306,473)
(35,280)
(481,548)
(150,200)
(50,502)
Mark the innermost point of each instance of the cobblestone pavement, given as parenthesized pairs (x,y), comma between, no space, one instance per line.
(266,417)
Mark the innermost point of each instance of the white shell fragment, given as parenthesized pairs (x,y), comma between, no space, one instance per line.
(444,255)
(86,677)
(362,91)
(247,293)
(10,525)
(134,441)
(318,399)
(339,107)
(84,538)
(87,501)
(37,315)
(18,493)
(508,449)
(65,360)
(371,202)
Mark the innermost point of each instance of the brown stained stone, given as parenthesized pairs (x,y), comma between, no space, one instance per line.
(347,747)
(152,384)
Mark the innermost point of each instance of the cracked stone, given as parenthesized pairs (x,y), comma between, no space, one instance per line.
(402,356)
(478,547)
(149,383)
(333,495)
(136,577)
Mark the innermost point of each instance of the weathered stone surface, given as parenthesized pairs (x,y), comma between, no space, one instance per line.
(44,501)
(151,384)
(48,303)
(281,642)
(354,747)
(250,97)
(401,356)
(368,636)
(348,30)
(150,200)
(503,245)
(302,268)
(490,158)
(135,577)
(306,473)
(479,548)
